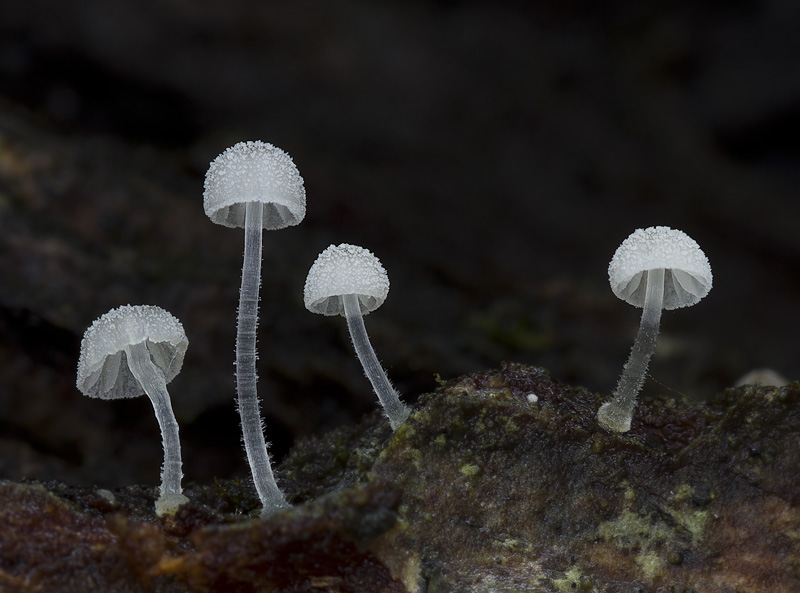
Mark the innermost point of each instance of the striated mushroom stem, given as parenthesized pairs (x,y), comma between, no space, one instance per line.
(272,498)
(616,415)
(155,386)
(395,410)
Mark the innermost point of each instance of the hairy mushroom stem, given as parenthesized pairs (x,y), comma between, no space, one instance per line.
(349,280)
(616,415)
(155,386)
(272,499)
(255,186)
(395,410)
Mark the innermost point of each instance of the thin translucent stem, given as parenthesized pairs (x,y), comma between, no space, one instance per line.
(152,380)
(272,498)
(395,410)
(616,415)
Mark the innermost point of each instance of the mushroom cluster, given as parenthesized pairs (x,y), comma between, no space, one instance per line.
(256,186)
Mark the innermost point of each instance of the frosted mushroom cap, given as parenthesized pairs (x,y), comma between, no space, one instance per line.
(345,269)
(254,172)
(103,367)
(687,276)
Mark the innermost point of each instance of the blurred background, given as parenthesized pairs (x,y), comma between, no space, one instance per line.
(492,155)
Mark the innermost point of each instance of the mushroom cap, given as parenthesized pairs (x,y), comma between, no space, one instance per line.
(345,269)
(254,172)
(687,276)
(103,367)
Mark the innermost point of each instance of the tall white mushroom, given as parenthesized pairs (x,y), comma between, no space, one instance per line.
(654,268)
(349,280)
(134,350)
(254,185)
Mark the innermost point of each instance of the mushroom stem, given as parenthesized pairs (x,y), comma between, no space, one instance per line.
(271,497)
(155,386)
(616,415)
(395,410)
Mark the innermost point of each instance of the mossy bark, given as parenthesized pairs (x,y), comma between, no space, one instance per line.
(498,481)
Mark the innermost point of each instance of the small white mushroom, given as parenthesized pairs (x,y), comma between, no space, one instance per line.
(765,377)
(349,280)
(254,185)
(654,268)
(134,350)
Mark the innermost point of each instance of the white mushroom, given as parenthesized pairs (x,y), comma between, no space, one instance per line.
(256,186)
(349,280)
(134,350)
(655,268)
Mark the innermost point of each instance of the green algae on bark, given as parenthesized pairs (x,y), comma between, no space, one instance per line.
(498,481)
(509,485)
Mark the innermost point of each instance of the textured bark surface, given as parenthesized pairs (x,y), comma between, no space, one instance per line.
(499,481)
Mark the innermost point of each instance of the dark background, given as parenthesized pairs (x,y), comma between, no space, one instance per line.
(493,155)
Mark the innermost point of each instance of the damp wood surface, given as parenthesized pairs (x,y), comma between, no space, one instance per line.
(499,481)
